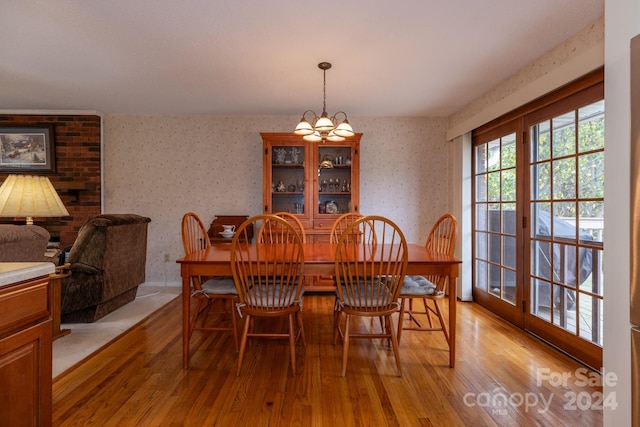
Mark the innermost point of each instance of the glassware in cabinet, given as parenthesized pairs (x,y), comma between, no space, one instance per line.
(287,178)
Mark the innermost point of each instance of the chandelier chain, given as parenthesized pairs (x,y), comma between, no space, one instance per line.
(324,92)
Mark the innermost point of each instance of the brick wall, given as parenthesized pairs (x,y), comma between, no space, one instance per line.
(77,174)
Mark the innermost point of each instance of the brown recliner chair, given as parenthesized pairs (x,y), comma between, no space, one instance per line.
(107,264)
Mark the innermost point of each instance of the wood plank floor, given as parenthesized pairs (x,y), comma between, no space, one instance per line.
(503,377)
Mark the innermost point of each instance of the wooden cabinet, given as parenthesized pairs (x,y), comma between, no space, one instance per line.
(315,181)
(25,353)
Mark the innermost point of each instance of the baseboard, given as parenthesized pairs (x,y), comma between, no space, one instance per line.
(163,284)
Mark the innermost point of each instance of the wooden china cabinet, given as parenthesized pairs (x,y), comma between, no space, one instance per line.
(316,181)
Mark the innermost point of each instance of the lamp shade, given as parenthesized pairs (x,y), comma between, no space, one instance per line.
(30,196)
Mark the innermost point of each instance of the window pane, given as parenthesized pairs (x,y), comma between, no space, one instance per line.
(541,259)
(540,292)
(540,225)
(591,220)
(481,275)
(481,188)
(495,251)
(508,155)
(540,141)
(564,179)
(494,280)
(481,217)
(540,181)
(590,270)
(481,158)
(590,319)
(494,186)
(493,162)
(481,245)
(509,251)
(494,218)
(591,175)
(564,135)
(509,218)
(563,300)
(509,185)
(591,127)
(565,220)
(509,286)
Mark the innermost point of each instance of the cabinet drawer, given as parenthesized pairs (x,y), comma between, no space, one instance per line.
(23,303)
(324,224)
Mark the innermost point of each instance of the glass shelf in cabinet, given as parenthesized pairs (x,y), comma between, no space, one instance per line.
(287,165)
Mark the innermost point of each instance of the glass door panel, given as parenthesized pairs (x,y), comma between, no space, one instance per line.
(334,180)
(495,231)
(288,179)
(566,202)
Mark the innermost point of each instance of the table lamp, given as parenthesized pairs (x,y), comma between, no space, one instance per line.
(30,196)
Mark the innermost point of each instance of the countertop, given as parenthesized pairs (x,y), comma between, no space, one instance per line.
(12,272)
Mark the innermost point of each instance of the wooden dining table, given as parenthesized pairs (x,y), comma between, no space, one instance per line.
(318,261)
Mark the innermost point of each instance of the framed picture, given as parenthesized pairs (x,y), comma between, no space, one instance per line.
(27,149)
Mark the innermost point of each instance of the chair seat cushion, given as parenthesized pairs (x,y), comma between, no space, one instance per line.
(266,298)
(219,286)
(368,295)
(417,285)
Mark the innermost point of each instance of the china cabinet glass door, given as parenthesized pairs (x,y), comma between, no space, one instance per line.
(335,181)
(288,180)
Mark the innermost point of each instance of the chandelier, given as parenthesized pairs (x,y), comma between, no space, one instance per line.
(324,128)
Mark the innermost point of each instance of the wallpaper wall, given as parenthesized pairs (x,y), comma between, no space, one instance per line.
(164,166)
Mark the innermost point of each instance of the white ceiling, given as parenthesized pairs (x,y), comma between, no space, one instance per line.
(230,57)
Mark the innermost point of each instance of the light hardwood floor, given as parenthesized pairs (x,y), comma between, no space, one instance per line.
(503,377)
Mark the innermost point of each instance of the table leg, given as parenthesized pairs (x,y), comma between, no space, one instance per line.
(186,309)
(452,319)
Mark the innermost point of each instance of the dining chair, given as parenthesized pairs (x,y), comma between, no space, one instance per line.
(341,223)
(441,240)
(267,276)
(369,275)
(295,222)
(208,290)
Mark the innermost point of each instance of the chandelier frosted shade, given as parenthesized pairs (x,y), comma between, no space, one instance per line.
(344,129)
(30,196)
(303,128)
(324,124)
(323,127)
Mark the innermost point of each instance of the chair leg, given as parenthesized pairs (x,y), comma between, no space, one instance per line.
(292,344)
(301,328)
(444,326)
(345,345)
(243,343)
(394,343)
(427,312)
(401,318)
(336,318)
(336,326)
(234,323)
(384,325)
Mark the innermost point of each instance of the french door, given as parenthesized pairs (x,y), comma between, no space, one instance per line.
(538,222)
(496,232)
